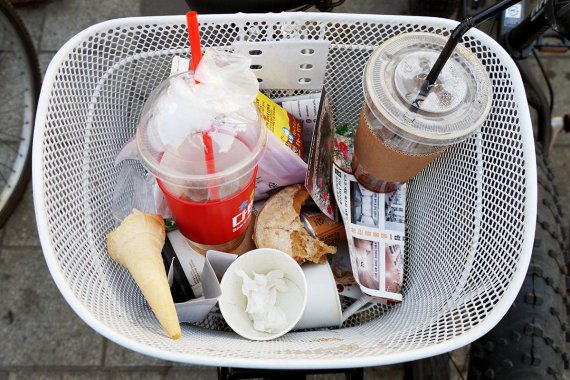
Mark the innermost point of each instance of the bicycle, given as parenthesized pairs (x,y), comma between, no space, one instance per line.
(20,84)
(533,334)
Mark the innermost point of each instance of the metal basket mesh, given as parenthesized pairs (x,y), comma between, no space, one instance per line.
(467,213)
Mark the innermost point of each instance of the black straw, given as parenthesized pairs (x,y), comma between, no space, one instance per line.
(450,45)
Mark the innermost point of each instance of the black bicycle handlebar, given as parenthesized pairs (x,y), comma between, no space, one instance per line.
(546,14)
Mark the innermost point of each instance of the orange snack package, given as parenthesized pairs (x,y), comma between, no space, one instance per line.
(282,124)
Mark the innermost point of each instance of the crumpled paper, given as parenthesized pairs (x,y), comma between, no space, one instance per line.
(261,294)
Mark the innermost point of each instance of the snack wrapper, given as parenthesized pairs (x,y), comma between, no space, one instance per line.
(278,167)
(305,108)
(282,162)
(375,228)
(318,180)
(282,124)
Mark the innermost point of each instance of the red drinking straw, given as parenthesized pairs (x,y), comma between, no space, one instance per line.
(194,37)
(196,52)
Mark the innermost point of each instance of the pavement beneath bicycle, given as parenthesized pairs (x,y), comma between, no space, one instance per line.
(41,337)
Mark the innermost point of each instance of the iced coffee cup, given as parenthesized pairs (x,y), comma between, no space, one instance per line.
(203,149)
(394,141)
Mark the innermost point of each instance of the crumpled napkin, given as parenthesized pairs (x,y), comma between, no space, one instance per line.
(261,293)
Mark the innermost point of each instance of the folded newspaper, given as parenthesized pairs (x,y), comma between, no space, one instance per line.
(375,227)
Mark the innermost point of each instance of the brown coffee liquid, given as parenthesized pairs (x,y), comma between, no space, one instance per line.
(380,168)
(369,181)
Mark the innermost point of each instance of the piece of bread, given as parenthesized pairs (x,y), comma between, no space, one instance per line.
(278,226)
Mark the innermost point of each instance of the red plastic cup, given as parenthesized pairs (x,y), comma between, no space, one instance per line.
(205,163)
(216,222)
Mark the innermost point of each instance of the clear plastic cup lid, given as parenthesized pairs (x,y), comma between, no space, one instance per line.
(182,136)
(456,106)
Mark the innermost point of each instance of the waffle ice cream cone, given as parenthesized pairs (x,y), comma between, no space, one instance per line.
(136,244)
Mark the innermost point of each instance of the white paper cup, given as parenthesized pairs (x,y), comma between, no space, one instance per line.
(262,261)
(323,303)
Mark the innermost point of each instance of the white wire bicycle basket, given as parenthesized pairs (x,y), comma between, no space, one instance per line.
(470,214)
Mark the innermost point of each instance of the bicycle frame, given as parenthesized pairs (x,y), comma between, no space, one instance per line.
(518,34)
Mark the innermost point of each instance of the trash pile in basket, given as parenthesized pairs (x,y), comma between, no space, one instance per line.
(225,167)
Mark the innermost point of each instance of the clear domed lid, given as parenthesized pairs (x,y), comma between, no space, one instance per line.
(457,104)
(187,134)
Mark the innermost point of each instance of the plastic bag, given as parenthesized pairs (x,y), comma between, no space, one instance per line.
(223,85)
(279,166)
(136,188)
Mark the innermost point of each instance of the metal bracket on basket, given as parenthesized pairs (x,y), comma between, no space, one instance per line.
(289,64)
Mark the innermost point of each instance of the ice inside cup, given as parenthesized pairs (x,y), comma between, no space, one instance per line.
(393,142)
(170,141)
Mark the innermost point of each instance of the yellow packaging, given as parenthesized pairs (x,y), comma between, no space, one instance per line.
(283,125)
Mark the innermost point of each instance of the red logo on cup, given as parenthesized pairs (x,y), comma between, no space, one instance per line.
(213,222)
(245,210)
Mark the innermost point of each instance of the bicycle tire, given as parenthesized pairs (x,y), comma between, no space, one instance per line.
(530,341)
(17,53)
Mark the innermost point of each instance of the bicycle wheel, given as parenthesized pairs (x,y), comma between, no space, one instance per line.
(529,342)
(20,83)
